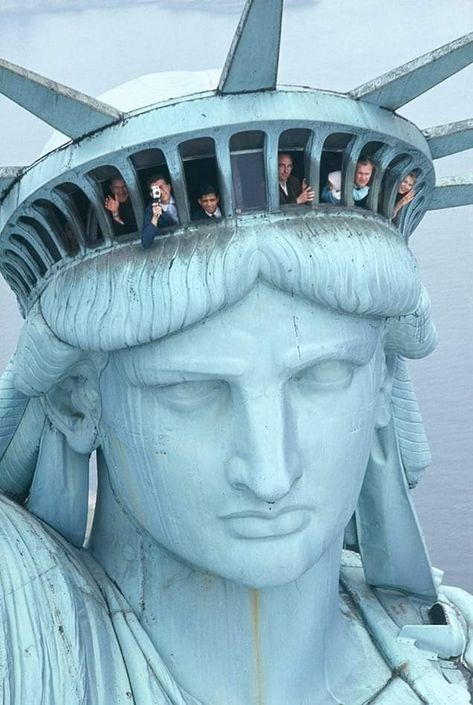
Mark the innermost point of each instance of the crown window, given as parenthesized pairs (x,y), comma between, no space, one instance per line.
(248,171)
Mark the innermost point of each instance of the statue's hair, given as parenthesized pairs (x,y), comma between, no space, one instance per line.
(127,297)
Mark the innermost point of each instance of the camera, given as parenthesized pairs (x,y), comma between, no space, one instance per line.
(155,194)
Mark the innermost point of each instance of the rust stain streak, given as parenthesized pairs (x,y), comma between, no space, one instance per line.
(255,622)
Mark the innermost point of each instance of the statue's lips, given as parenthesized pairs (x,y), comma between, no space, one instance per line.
(263,525)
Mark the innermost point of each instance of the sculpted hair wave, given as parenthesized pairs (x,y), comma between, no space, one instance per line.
(128,296)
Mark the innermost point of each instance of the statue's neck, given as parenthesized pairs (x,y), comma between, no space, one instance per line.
(222,642)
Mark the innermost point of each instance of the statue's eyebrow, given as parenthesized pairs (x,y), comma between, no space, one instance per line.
(205,366)
(160,371)
(356,351)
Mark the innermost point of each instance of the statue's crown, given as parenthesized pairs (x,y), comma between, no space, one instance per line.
(230,135)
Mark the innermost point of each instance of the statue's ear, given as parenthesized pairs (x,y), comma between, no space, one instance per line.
(73,406)
(383,412)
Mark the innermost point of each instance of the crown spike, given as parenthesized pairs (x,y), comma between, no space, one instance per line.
(452,191)
(401,85)
(450,139)
(252,62)
(72,113)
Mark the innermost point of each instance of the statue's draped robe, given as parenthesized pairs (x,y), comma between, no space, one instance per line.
(68,637)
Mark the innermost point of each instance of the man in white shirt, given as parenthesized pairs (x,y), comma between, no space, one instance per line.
(332,191)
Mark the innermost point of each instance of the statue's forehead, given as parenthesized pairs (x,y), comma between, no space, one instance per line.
(267,324)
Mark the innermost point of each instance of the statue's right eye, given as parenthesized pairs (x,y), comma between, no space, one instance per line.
(328,374)
(191,396)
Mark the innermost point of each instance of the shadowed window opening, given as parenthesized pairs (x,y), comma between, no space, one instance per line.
(408,189)
(116,200)
(200,171)
(331,167)
(23,242)
(248,175)
(22,267)
(42,235)
(14,276)
(89,225)
(147,163)
(370,152)
(150,164)
(293,179)
(389,192)
(59,225)
(437,614)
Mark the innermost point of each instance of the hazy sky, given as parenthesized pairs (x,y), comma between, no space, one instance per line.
(325,44)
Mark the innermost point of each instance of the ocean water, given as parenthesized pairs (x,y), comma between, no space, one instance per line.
(93,47)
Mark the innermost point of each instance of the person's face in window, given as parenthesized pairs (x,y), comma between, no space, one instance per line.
(119,190)
(165,189)
(363,174)
(407,184)
(241,452)
(209,202)
(284,167)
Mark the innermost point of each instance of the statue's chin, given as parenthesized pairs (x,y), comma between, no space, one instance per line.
(270,565)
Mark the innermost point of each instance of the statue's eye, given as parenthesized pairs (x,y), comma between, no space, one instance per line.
(329,374)
(190,396)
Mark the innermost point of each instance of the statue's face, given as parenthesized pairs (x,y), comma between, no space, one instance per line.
(240,444)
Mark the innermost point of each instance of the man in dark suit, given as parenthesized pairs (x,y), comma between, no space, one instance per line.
(209,208)
(290,188)
(161,212)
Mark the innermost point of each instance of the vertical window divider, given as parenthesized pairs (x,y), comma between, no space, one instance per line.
(224,170)
(18,263)
(414,212)
(383,158)
(393,180)
(35,214)
(271,144)
(91,189)
(130,177)
(36,243)
(176,173)
(12,278)
(349,160)
(25,257)
(68,209)
(313,158)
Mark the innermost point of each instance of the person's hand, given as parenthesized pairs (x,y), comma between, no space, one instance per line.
(156,210)
(112,204)
(306,195)
(407,198)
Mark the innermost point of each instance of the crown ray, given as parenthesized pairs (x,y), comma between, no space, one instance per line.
(394,89)
(7,175)
(72,113)
(252,62)
(449,139)
(452,191)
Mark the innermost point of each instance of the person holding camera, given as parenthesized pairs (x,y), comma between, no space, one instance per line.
(161,212)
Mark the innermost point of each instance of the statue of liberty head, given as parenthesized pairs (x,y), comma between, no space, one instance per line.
(244,385)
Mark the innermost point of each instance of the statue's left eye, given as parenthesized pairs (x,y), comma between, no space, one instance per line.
(329,374)
(188,396)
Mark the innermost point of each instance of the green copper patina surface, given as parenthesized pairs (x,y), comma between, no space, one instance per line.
(245,388)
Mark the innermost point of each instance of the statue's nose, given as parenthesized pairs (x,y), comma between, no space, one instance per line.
(265,459)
